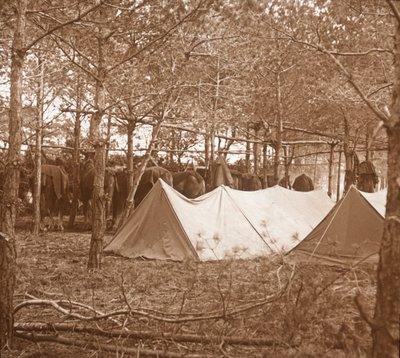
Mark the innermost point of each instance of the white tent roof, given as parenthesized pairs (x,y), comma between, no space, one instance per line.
(377,200)
(215,226)
(284,217)
(222,223)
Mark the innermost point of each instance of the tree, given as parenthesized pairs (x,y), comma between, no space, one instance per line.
(386,327)
(20,47)
(386,322)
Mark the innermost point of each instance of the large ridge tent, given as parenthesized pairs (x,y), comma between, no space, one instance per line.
(224,223)
(351,232)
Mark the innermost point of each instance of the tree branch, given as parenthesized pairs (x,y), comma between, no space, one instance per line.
(151,43)
(394,9)
(55,28)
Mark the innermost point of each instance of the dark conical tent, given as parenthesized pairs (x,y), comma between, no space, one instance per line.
(351,232)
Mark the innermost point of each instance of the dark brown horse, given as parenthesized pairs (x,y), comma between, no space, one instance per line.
(54,196)
(367,177)
(189,183)
(303,183)
(251,182)
(86,188)
(237,177)
(147,181)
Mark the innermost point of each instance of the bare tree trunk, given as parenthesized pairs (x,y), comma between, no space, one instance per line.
(109,123)
(338,175)
(130,201)
(173,147)
(288,154)
(386,330)
(351,160)
(279,128)
(7,279)
(315,169)
(207,150)
(248,149)
(75,157)
(98,204)
(129,160)
(256,150)
(8,208)
(212,131)
(367,141)
(38,152)
(330,168)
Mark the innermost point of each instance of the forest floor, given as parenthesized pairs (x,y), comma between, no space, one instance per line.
(232,308)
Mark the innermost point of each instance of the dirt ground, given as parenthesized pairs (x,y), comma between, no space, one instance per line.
(241,308)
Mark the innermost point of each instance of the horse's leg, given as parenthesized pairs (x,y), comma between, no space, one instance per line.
(86,213)
(60,225)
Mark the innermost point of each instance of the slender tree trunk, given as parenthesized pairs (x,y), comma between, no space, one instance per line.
(109,123)
(330,168)
(98,204)
(279,128)
(7,279)
(315,169)
(367,141)
(385,334)
(264,164)
(173,147)
(8,208)
(256,149)
(248,149)
(75,158)
(129,164)
(207,150)
(338,175)
(38,152)
(214,118)
(130,201)
(350,156)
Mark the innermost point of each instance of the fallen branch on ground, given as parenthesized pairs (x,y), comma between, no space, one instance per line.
(86,344)
(153,335)
(149,313)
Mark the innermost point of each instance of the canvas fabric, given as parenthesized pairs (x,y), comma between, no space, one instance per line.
(350,233)
(224,223)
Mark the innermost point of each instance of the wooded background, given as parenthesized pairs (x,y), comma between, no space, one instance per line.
(290,74)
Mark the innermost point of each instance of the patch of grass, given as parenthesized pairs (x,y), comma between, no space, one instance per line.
(315,317)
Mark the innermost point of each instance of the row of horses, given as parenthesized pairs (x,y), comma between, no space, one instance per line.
(56,191)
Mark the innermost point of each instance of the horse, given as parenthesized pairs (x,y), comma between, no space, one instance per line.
(367,178)
(54,196)
(147,181)
(86,188)
(189,183)
(251,182)
(303,183)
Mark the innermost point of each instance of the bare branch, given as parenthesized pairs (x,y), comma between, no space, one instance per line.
(156,40)
(364,53)
(394,9)
(59,26)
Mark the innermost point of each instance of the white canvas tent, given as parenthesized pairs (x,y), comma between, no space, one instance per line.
(284,217)
(377,200)
(220,224)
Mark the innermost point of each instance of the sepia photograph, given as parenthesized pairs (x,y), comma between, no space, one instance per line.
(199,178)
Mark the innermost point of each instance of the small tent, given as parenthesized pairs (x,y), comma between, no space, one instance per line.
(351,232)
(220,224)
